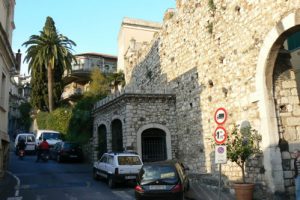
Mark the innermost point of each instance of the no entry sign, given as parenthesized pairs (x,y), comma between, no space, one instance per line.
(220,135)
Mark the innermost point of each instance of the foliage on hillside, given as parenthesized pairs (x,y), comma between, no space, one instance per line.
(57,120)
(76,123)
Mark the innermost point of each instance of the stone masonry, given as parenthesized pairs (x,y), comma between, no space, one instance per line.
(222,53)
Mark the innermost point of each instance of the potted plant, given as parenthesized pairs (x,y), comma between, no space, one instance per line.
(241,145)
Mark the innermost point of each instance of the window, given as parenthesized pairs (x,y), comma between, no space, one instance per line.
(110,160)
(103,159)
(294,41)
(30,138)
(129,160)
(3,90)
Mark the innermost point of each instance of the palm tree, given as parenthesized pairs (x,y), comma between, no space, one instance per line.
(116,79)
(49,50)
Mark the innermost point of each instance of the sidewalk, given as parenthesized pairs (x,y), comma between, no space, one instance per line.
(199,192)
(7,186)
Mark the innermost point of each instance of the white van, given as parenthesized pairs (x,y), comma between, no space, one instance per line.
(29,141)
(51,136)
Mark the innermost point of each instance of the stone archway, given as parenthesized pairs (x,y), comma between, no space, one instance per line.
(161,131)
(153,145)
(265,97)
(117,135)
(102,139)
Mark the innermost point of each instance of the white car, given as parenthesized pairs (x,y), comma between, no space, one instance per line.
(29,139)
(51,136)
(117,167)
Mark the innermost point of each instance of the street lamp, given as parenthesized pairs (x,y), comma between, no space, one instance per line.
(27,90)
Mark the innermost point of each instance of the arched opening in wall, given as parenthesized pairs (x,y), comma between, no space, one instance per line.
(285,88)
(117,136)
(154,145)
(102,139)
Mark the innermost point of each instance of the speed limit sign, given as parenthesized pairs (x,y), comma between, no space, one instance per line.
(220,135)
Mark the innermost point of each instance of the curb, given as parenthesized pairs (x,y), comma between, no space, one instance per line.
(9,185)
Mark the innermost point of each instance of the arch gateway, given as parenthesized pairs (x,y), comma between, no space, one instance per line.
(240,55)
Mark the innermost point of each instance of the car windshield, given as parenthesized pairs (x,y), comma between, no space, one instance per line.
(164,173)
(49,135)
(129,160)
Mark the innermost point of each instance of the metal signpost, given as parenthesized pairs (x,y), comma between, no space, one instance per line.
(220,136)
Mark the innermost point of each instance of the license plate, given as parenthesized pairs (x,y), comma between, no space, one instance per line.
(73,156)
(130,177)
(157,187)
(30,147)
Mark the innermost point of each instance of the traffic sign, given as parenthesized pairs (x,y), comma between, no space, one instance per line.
(220,154)
(220,135)
(220,116)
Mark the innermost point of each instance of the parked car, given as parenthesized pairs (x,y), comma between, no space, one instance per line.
(51,136)
(162,180)
(66,151)
(29,141)
(117,167)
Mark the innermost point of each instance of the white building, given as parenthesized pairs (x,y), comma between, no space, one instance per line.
(7,66)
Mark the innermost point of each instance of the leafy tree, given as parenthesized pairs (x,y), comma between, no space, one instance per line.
(99,85)
(241,145)
(39,92)
(25,119)
(49,50)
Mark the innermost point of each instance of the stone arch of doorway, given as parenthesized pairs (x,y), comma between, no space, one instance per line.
(99,123)
(115,143)
(102,131)
(158,126)
(264,74)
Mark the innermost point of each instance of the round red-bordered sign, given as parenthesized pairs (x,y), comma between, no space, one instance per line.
(220,116)
(220,135)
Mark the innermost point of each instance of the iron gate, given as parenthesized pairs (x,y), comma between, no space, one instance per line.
(153,145)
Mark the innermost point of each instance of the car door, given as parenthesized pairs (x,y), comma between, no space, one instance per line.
(110,164)
(101,166)
(30,143)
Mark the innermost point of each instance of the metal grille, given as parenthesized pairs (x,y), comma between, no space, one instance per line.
(153,145)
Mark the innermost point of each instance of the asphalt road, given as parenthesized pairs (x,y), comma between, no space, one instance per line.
(60,181)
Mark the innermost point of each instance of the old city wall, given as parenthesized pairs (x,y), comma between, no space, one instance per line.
(207,53)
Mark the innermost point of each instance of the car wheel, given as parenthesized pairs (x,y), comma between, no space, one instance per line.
(95,175)
(111,183)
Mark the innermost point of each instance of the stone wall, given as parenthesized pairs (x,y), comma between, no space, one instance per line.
(288,111)
(207,53)
(136,110)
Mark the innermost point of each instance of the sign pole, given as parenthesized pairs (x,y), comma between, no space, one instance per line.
(219,191)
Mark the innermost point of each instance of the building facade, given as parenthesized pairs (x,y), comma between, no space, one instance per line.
(133,35)
(78,79)
(212,54)
(7,67)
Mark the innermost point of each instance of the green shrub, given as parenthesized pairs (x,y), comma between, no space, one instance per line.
(41,119)
(57,120)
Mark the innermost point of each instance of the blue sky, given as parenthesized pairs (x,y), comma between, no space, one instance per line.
(92,24)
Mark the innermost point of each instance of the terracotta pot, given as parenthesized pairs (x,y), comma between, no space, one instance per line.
(243,191)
